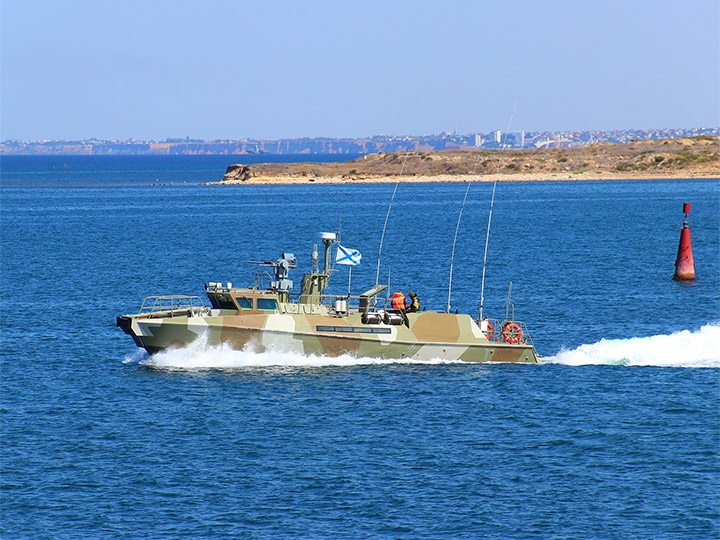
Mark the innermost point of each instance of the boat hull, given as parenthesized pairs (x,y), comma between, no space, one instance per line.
(421,336)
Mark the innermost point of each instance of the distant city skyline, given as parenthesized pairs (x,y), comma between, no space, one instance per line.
(363,145)
(496,134)
(78,69)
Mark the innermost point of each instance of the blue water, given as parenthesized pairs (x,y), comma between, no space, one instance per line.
(124,171)
(616,436)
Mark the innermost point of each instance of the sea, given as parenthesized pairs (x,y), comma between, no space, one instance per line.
(615,435)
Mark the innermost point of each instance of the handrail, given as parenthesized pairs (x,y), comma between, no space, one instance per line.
(171,303)
(499,326)
(353,301)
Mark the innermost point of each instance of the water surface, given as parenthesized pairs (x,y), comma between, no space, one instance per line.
(615,437)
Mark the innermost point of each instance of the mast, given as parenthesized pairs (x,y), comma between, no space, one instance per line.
(315,283)
(327,238)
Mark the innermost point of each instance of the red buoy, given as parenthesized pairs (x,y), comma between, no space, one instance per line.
(684,264)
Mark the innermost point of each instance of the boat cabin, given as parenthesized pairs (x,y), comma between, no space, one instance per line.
(245,300)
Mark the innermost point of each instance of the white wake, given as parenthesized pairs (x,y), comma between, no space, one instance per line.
(199,355)
(699,348)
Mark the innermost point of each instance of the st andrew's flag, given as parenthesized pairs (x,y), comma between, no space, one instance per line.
(347,256)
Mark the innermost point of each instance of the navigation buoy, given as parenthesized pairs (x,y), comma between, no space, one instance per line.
(684,264)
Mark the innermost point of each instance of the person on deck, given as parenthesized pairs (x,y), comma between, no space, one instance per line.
(414,303)
(398,301)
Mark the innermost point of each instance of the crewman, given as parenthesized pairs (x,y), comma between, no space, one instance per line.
(398,301)
(414,303)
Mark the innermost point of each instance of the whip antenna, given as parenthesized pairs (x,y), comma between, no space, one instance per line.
(377,276)
(492,203)
(452,255)
(457,228)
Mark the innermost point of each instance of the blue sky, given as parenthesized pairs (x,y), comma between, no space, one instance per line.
(218,69)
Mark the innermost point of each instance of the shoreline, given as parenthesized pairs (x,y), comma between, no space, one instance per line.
(462,178)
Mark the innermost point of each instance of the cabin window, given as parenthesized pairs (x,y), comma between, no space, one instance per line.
(244,303)
(267,303)
(222,301)
(225,301)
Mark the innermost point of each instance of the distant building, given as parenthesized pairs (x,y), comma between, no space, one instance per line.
(377,143)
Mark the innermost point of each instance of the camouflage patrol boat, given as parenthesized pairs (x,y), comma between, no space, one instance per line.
(312,322)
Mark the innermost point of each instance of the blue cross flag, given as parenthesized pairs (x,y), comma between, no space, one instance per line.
(347,256)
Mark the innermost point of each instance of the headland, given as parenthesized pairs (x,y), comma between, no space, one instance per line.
(691,157)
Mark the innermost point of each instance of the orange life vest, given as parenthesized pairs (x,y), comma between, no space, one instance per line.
(398,301)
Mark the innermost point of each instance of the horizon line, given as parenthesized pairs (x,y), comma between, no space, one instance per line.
(186,139)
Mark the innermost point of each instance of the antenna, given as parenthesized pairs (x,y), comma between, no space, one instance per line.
(452,255)
(457,228)
(508,304)
(338,240)
(492,203)
(377,276)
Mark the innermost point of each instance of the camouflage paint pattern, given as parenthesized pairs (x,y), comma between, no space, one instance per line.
(423,335)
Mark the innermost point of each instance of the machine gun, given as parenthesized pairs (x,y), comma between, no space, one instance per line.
(281,269)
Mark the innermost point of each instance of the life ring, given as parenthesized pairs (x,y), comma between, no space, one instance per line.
(490,330)
(512,333)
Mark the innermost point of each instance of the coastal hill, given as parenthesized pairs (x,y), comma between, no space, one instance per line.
(692,157)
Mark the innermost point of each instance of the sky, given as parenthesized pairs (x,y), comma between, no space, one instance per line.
(272,69)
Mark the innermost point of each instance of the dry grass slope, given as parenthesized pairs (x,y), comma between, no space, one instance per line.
(668,158)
